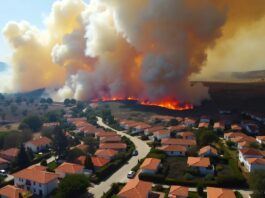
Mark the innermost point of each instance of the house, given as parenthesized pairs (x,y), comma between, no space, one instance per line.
(82,147)
(186,135)
(177,128)
(244,154)
(105,134)
(161,134)
(150,165)
(218,126)
(251,128)
(174,150)
(230,135)
(114,146)
(253,164)
(178,192)
(127,124)
(189,122)
(4,163)
(260,139)
(162,118)
(106,153)
(136,188)
(140,127)
(151,130)
(10,191)
(98,162)
(175,141)
(88,129)
(36,180)
(203,125)
(213,192)
(236,127)
(69,168)
(38,145)
(110,139)
(9,154)
(205,119)
(208,151)
(202,164)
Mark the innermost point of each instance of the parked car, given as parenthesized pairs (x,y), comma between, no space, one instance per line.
(135,153)
(3,173)
(131,174)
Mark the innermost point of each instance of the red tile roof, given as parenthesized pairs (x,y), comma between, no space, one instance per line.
(99,161)
(220,193)
(36,173)
(106,134)
(199,161)
(259,161)
(3,161)
(114,146)
(177,128)
(106,152)
(12,152)
(174,141)
(110,139)
(251,151)
(12,192)
(173,148)
(155,128)
(135,188)
(186,134)
(162,132)
(178,191)
(151,164)
(70,168)
(206,149)
(40,141)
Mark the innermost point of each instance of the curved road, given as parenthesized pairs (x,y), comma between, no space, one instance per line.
(121,174)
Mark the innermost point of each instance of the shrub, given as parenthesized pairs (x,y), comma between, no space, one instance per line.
(188,176)
(238,194)
(200,187)
(209,177)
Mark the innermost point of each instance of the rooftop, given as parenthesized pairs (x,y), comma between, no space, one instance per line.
(99,161)
(199,161)
(40,141)
(70,168)
(150,164)
(12,192)
(178,191)
(220,193)
(135,188)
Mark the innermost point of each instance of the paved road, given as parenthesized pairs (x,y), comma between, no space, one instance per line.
(121,174)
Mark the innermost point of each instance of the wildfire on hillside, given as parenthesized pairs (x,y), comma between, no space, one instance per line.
(168,104)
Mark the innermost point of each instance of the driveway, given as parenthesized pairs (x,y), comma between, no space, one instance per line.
(121,174)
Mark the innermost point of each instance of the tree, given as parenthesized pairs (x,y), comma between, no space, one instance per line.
(60,141)
(206,137)
(73,154)
(200,189)
(67,102)
(34,122)
(22,160)
(257,183)
(173,122)
(49,101)
(89,164)
(72,186)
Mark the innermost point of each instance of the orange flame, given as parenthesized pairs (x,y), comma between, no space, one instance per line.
(168,104)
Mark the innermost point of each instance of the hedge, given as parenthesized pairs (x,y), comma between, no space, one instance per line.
(115,189)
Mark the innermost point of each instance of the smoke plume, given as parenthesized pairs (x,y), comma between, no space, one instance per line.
(146,49)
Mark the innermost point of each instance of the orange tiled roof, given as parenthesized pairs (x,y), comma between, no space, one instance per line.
(150,164)
(220,193)
(36,173)
(162,132)
(70,168)
(142,125)
(177,128)
(135,188)
(178,191)
(174,141)
(12,152)
(111,139)
(3,161)
(112,146)
(12,192)
(259,161)
(106,152)
(206,149)
(262,138)
(40,141)
(199,161)
(251,151)
(155,128)
(99,161)
(186,134)
(82,147)
(235,134)
(106,134)
(173,148)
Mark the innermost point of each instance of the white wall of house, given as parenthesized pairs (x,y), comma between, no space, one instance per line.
(36,188)
(35,148)
(243,158)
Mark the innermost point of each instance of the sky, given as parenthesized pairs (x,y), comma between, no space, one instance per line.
(33,11)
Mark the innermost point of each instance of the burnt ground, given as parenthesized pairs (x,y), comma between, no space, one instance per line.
(237,97)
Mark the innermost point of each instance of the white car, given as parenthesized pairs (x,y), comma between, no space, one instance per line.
(131,174)
(3,173)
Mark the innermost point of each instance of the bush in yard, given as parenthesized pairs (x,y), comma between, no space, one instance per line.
(188,176)
(152,177)
(209,177)
(200,187)
(43,162)
(72,186)
(158,188)
(238,194)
